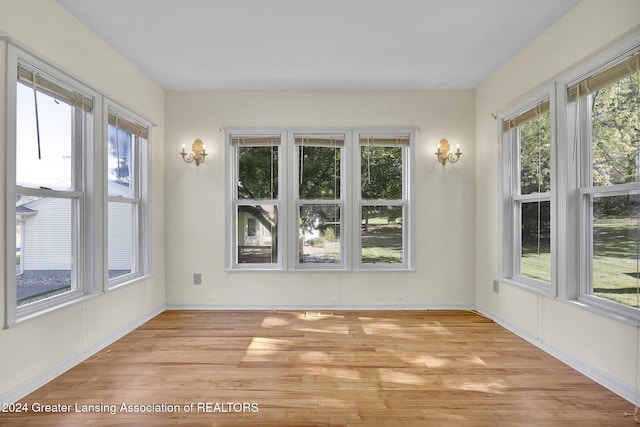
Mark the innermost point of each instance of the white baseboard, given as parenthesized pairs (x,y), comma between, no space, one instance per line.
(318,307)
(29,386)
(620,388)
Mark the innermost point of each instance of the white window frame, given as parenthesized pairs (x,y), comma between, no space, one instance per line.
(297,202)
(571,189)
(349,202)
(140,199)
(511,201)
(89,194)
(576,242)
(84,200)
(232,201)
(408,192)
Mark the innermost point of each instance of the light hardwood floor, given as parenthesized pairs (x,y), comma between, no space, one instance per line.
(347,368)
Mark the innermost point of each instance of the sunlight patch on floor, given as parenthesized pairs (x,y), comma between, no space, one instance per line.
(274,322)
(402,331)
(311,315)
(403,377)
(493,387)
(430,361)
(476,361)
(265,346)
(333,329)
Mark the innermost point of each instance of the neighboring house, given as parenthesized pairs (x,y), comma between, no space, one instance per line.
(120,230)
(22,213)
(44,237)
(255,241)
(251,232)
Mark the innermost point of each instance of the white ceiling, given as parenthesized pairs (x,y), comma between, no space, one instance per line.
(318,44)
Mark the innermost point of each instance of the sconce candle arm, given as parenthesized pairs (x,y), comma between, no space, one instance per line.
(444,153)
(197,154)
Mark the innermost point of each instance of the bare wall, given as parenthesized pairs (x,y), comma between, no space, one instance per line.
(444,195)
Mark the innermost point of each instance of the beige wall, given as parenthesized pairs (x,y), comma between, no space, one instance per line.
(55,339)
(444,199)
(594,340)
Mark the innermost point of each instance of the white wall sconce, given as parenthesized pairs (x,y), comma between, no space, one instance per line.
(197,154)
(444,153)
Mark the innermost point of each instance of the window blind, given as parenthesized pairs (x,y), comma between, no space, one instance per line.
(604,78)
(316,141)
(387,141)
(54,89)
(525,116)
(250,141)
(128,125)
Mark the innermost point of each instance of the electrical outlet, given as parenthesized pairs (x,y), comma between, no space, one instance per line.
(197,278)
(496,286)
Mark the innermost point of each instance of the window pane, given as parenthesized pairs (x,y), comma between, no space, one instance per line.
(258,172)
(119,162)
(257,234)
(381,172)
(615,121)
(382,235)
(49,162)
(319,235)
(319,172)
(535,155)
(535,260)
(122,256)
(616,247)
(46,247)
(19,244)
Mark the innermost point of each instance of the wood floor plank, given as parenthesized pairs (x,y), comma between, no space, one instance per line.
(343,368)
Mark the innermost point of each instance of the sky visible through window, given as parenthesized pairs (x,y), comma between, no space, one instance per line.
(53,168)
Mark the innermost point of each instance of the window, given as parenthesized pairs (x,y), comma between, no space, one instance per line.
(320,203)
(383,200)
(608,111)
(52,126)
(570,211)
(126,187)
(77,231)
(526,179)
(256,202)
(343,202)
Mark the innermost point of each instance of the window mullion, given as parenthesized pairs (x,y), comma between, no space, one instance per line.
(120,199)
(533,197)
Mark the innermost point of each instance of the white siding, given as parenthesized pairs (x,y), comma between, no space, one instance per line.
(120,236)
(47,236)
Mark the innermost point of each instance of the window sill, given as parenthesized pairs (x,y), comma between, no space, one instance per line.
(126,281)
(323,270)
(581,303)
(21,318)
(605,312)
(536,288)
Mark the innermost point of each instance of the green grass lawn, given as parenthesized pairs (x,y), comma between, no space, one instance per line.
(382,241)
(615,261)
(535,263)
